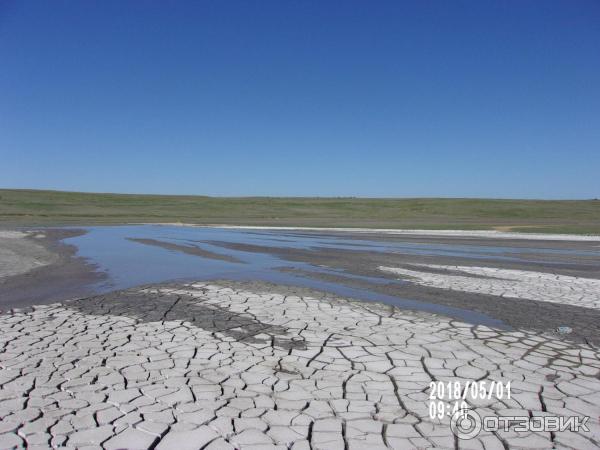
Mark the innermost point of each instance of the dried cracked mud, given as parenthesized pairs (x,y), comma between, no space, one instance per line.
(521,284)
(223,365)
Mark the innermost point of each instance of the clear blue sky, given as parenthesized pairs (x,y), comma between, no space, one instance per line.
(344,98)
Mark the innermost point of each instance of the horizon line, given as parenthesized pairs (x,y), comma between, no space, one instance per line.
(358,197)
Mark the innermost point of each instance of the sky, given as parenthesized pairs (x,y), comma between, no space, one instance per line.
(302,98)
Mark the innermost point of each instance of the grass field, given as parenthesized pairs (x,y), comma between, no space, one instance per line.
(33,208)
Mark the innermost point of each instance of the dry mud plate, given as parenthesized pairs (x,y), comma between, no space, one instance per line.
(244,365)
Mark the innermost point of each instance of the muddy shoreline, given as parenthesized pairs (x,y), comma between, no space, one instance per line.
(364,262)
(74,277)
(67,276)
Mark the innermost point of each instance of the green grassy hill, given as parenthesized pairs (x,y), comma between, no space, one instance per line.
(32,208)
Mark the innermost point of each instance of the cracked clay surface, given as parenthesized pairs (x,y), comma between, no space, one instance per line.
(228,365)
(524,284)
